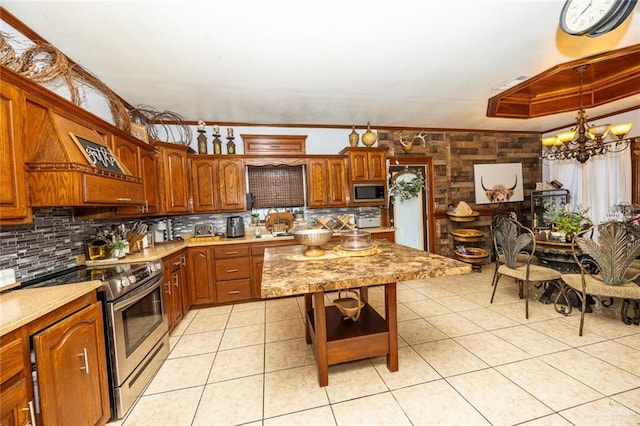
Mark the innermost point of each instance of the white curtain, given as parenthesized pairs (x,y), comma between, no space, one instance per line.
(600,183)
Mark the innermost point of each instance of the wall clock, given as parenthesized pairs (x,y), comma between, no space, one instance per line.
(594,17)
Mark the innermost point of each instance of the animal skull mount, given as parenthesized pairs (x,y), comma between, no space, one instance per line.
(407,145)
(499,193)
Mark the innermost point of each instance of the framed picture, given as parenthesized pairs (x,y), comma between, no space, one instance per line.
(498,183)
(140,132)
(98,155)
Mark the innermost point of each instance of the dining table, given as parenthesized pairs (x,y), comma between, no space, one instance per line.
(335,338)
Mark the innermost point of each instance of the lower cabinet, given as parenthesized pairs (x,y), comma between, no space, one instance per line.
(202,284)
(70,365)
(176,297)
(232,273)
(67,355)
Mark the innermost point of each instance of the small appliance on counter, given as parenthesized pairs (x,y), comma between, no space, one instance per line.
(204,230)
(235,227)
(368,222)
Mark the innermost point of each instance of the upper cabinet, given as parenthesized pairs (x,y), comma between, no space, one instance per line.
(13,189)
(141,163)
(218,184)
(367,164)
(174,178)
(327,183)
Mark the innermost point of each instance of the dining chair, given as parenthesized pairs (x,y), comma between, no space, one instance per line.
(515,245)
(608,268)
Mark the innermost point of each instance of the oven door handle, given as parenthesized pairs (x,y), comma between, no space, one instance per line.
(137,295)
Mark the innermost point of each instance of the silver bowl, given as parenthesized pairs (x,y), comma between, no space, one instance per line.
(313,239)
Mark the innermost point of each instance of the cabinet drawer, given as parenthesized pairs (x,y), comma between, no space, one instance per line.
(101,190)
(11,358)
(233,269)
(230,251)
(233,291)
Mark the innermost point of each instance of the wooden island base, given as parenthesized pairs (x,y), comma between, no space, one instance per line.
(337,340)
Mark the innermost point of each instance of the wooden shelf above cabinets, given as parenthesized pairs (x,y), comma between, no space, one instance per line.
(274,144)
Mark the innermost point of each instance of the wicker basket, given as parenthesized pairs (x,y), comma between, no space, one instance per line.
(349,307)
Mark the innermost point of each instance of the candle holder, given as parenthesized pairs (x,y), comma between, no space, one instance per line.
(202,142)
(231,147)
(217,143)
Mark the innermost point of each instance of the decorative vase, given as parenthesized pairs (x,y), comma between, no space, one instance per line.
(568,236)
(368,137)
(353,137)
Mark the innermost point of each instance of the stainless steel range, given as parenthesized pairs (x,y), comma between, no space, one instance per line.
(136,330)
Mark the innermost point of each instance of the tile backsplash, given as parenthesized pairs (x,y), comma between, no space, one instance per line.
(55,238)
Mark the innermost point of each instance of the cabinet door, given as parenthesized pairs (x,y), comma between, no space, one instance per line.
(203,184)
(201,279)
(359,166)
(15,405)
(175,180)
(72,371)
(317,187)
(128,155)
(167,296)
(231,186)
(150,180)
(337,191)
(13,188)
(377,165)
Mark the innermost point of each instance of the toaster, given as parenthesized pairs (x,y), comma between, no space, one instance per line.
(204,230)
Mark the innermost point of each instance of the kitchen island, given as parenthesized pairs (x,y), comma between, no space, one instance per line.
(335,339)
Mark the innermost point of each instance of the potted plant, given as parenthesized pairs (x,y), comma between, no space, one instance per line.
(566,221)
(298,214)
(255,218)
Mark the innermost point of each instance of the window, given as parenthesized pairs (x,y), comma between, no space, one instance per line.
(276,186)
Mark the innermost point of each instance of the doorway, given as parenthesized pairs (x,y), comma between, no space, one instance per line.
(414,219)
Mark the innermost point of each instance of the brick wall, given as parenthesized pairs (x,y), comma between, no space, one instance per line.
(454,155)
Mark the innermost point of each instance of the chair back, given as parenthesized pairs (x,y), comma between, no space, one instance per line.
(510,238)
(610,250)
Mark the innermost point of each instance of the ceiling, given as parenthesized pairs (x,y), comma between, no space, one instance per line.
(406,63)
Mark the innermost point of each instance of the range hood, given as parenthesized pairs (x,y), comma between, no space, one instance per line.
(69,164)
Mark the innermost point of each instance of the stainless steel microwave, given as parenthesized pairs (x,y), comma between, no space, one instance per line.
(368,192)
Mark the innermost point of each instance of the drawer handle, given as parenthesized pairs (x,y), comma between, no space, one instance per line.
(123,199)
(232,270)
(234,292)
(86,360)
(231,252)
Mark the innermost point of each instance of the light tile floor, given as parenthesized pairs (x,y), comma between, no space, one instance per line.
(462,361)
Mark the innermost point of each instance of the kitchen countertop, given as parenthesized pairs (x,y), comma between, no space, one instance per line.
(20,307)
(284,277)
(159,251)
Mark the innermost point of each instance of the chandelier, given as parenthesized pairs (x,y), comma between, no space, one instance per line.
(585,141)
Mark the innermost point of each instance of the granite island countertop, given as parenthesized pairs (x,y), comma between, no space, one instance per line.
(284,277)
(161,250)
(21,306)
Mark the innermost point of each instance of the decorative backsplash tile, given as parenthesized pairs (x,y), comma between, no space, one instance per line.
(55,238)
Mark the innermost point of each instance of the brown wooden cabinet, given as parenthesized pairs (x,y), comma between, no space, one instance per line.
(13,187)
(16,395)
(72,370)
(257,261)
(232,273)
(176,296)
(174,178)
(367,164)
(327,182)
(141,162)
(201,276)
(217,184)
(387,235)
(71,366)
